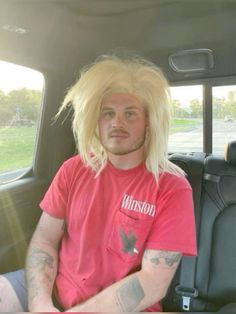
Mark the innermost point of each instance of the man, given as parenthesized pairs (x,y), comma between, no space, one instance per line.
(117,217)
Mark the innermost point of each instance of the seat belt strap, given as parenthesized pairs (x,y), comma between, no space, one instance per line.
(186,289)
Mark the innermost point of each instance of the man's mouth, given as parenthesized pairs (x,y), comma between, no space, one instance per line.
(118,134)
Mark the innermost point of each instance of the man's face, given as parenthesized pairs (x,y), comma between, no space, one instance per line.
(122,124)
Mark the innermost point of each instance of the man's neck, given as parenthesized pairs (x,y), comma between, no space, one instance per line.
(127,161)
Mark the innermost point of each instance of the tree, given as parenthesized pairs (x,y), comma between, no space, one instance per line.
(218,108)
(231,96)
(5,111)
(196,108)
(177,110)
(231,103)
(25,104)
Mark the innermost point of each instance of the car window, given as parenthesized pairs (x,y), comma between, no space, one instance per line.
(186,132)
(20,98)
(224,117)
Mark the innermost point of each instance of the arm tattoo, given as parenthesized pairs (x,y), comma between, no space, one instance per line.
(40,260)
(129,295)
(42,263)
(170,259)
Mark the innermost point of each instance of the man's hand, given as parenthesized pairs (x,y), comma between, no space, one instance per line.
(43,308)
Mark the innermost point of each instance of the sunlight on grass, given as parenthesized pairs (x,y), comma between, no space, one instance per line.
(16,147)
(183,125)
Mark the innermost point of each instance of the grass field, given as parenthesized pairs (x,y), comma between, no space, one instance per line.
(17,143)
(16,147)
(183,125)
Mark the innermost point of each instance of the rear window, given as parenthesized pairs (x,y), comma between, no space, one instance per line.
(186,132)
(224,117)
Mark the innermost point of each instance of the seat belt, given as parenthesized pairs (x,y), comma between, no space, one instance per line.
(186,288)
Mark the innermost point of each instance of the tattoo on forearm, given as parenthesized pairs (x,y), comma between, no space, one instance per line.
(129,295)
(39,262)
(155,257)
(40,259)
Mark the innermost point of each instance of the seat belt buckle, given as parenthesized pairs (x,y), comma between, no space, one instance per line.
(186,294)
(186,303)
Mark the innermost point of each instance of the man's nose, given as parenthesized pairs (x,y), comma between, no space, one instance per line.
(118,120)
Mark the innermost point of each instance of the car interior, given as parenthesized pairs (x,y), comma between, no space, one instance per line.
(193,42)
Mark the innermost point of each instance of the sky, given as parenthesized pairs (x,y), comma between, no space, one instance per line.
(16,77)
(186,94)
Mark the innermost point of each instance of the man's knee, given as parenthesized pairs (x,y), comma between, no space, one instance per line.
(9,301)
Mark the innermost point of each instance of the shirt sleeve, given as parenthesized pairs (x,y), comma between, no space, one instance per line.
(174,227)
(55,200)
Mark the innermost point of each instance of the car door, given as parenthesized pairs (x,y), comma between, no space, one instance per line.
(22,188)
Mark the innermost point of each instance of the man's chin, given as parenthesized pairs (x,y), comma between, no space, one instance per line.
(119,153)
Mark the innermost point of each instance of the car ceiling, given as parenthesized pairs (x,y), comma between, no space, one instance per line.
(64,35)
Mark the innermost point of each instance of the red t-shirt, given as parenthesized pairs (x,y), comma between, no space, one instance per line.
(110,220)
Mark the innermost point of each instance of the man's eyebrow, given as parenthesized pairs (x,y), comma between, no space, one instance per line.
(128,107)
(107,108)
(132,108)
(113,107)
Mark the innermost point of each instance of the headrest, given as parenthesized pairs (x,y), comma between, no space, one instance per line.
(230,153)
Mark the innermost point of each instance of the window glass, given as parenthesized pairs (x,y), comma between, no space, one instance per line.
(224,117)
(186,132)
(20,98)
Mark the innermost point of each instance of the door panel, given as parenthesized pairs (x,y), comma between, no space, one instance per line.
(19,213)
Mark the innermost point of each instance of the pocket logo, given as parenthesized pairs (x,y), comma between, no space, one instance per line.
(128,202)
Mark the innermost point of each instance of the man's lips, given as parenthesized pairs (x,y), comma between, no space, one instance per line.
(118,134)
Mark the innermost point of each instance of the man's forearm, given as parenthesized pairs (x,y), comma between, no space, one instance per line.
(128,295)
(41,269)
(124,295)
(138,291)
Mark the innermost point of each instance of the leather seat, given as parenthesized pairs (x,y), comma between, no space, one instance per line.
(215,277)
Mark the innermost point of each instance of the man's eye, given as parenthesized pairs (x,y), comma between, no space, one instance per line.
(130,114)
(108,114)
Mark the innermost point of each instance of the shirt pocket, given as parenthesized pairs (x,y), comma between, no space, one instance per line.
(128,236)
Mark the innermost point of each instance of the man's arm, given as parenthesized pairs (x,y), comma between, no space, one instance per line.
(138,291)
(41,263)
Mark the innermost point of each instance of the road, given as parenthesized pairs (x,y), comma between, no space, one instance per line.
(193,140)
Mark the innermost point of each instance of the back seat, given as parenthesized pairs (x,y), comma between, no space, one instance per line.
(213,276)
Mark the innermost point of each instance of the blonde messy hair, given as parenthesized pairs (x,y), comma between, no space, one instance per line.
(132,75)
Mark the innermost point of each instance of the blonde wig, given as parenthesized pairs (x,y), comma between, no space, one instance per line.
(132,75)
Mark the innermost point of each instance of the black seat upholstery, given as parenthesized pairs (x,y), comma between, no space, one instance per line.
(216,267)
(215,277)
